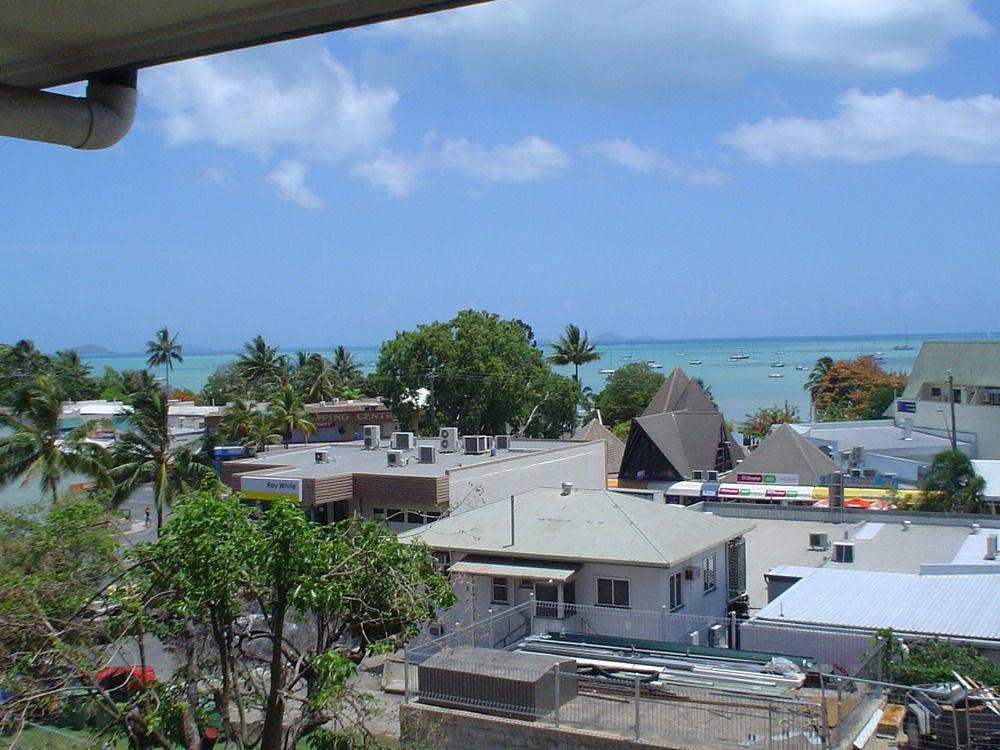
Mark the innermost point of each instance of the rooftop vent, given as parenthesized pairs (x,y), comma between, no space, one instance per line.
(567,487)
(843,552)
(991,547)
(322,457)
(975,528)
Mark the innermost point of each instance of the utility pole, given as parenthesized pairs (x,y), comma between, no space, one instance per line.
(430,396)
(951,401)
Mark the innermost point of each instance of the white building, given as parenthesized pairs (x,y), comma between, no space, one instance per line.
(974,368)
(569,547)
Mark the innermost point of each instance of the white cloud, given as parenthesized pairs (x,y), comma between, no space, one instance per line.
(394,172)
(530,158)
(218,175)
(871,127)
(259,101)
(613,46)
(289,180)
(645,160)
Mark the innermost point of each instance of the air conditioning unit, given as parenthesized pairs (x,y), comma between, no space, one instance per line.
(698,474)
(869,473)
(856,474)
(434,630)
(475,444)
(692,574)
(819,540)
(394,458)
(449,439)
(991,547)
(502,442)
(712,476)
(373,437)
(857,455)
(843,552)
(322,457)
(403,441)
(427,454)
(716,636)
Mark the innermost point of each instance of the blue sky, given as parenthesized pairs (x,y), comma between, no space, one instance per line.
(654,167)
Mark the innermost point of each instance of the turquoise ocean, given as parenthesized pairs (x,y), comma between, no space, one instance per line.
(739,387)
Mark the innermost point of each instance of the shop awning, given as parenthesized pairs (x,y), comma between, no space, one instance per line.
(501,568)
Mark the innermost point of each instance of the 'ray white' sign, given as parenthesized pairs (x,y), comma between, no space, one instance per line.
(270,488)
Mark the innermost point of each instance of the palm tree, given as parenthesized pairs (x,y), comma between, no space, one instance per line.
(814,383)
(952,484)
(260,432)
(573,348)
(164,350)
(27,359)
(73,375)
(145,455)
(287,413)
(259,364)
(316,379)
(345,365)
(37,449)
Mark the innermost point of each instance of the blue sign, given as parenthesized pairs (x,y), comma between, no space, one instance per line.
(906,407)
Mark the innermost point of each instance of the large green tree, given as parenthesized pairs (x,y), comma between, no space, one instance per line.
(73,376)
(345,365)
(573,348)
(36,449)
(162,351)
(267,613)
(952,484)
(628,392)
(483,373)
(287,413)
(260,366)
(146,454)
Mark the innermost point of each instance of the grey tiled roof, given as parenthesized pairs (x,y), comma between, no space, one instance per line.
(785,451)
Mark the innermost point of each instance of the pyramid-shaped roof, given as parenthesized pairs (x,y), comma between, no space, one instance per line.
(595,430)
(785,451)
(679,393)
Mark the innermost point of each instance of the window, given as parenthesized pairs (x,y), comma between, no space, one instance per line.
(378,512)
(676,591)
(956,395)
(935,392)
(546,600)
(708,574)
(525,583)
(501,594)
(395,515)
(430,516)
(612,592)
(443,560)
(414,516)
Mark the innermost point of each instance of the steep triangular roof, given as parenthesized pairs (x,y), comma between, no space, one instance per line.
(688,440)
(595,430)
(785,451)
(679,393)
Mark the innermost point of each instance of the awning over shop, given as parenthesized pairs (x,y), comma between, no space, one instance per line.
(768,491)
(501,568)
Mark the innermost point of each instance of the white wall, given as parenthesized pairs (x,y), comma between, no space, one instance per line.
(476,485)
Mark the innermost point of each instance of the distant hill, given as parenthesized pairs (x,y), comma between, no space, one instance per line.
(91,349)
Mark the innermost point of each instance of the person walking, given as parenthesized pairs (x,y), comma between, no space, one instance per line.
(149,518)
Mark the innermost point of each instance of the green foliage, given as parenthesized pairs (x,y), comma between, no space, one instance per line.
(573,348)
(932,661)
(952,484)
(852,388)
(487,375)
(629,390)
(759,424)
(621,430)
(163,351)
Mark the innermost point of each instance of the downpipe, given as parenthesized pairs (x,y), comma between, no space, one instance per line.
(95,121)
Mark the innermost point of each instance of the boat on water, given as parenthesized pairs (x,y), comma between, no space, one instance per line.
(800,367)
(695,362)
(777,364)
(776,374)
(738,357)
(606,372)
(627,356)
(655,365)
(680,354)
(902,347)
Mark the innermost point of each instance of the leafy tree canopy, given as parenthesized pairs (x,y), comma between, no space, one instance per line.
(952,484)
(486,375)
(933,661)
(629,390)
(854,389)
(761,421)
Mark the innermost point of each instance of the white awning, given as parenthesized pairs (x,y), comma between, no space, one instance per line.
(500,568)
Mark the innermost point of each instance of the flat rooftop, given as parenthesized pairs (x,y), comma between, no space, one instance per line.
(881,547)
(873,437)
(351,457)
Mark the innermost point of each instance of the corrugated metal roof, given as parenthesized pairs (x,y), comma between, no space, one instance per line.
(585,525)
(494,566)
(959,606)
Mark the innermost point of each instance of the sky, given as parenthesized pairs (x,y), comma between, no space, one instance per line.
(661,168)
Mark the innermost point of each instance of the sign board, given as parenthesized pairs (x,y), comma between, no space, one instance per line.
(906,407)
(879,480)
(271,488)
(732,490)
(333,418)
(767,478)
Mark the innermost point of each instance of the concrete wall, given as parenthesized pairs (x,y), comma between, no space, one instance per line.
(582,464)
(982,421)
(431,728)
